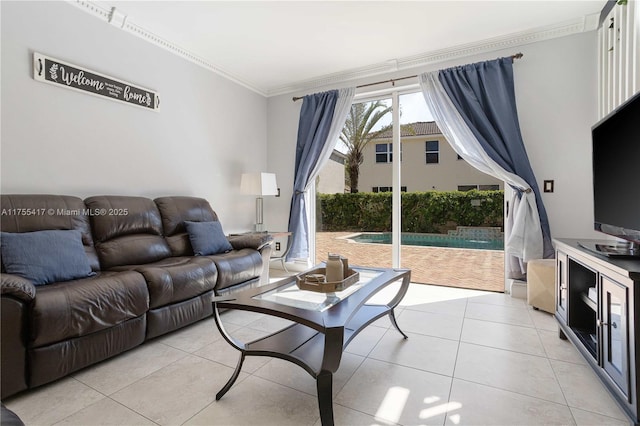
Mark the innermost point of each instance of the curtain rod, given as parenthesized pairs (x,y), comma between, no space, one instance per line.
(393,80)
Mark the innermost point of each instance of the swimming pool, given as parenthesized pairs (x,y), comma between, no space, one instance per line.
(431,240)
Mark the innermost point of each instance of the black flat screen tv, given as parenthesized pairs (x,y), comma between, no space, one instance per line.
(616,177)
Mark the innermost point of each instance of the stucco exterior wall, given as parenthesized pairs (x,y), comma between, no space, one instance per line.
(417,175)
(331,178)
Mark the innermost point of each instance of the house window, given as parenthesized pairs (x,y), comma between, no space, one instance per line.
(465,188)
(479,187)
(387,189)
(384,153)
(488,187)
(432,149)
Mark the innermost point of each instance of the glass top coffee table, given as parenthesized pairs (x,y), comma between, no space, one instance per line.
(323,324)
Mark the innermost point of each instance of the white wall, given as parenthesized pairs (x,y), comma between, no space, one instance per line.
(208,131)
(557,104)
(556,93)
(282,130)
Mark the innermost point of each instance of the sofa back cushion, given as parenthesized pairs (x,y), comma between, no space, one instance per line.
(126,230)
(33,212)
(174,212)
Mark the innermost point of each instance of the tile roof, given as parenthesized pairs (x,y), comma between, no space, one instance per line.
(419,128)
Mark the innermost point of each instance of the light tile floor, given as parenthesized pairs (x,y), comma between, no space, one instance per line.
(472,358)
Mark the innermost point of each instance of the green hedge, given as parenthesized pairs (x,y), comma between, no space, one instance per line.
(423,212)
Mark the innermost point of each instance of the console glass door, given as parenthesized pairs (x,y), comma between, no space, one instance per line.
(614,332)
(561,287)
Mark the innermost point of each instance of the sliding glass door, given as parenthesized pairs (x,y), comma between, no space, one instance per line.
(395,194)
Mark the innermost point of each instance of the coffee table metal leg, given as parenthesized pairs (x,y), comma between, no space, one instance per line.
(233,378)
(233,342)
(324,386)
(392,317)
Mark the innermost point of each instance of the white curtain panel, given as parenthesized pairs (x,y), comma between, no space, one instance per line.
(524,234)
(343,105)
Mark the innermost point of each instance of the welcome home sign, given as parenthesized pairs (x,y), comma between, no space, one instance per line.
(54,71)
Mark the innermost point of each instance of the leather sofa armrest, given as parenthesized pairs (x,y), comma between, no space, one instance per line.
(253,241)
(18,287)
(17,299)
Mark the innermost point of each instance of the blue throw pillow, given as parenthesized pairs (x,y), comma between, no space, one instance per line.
(207,238)
(45,257)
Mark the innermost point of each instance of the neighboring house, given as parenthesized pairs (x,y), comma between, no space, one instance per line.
(427,163)
(332,177)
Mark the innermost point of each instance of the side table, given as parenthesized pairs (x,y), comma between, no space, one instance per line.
(276,234)
(283,254)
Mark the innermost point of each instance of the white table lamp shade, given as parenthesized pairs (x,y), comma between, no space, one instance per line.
(259,184)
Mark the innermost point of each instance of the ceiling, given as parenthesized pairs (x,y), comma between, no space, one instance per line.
(276,47)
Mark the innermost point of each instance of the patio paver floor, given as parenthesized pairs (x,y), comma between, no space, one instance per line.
(464,268)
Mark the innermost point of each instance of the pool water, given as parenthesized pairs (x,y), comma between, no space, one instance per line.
(431,240)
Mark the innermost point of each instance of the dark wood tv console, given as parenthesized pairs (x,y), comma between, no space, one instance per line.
(602,323)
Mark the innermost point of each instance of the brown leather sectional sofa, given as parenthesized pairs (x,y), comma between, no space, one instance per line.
(147,281)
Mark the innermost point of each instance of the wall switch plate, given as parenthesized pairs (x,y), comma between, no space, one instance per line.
(277,246)
(548,186)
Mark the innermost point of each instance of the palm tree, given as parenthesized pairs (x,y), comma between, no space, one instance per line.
(357,133)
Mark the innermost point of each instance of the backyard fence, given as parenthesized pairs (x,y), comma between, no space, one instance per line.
(423,212)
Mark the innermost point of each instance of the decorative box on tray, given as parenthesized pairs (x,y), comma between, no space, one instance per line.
(312,281)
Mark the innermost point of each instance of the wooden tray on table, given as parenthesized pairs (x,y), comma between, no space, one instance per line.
(326,287)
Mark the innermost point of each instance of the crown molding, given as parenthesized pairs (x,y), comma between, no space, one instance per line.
(116,18)
(513,40)
(119,20)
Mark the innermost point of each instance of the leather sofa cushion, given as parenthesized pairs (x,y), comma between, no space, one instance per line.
(67,310)
(33,212)
(174,212)
(51,362)
(172,317)
(126,230)
(177,278)
(234,267)
(132,250)
(237,266)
